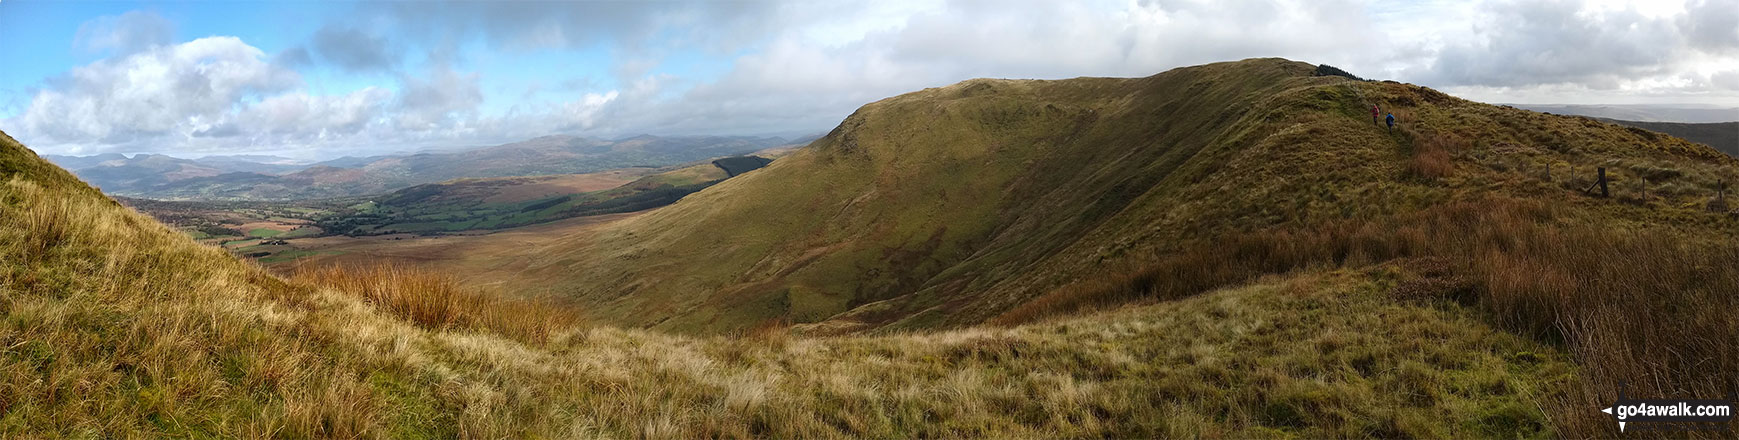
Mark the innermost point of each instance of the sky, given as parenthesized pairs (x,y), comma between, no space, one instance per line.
(327,79)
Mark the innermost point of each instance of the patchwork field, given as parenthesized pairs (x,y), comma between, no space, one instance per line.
(280,232)
(477,258)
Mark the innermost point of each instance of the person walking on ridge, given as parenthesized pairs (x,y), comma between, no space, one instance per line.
(1374,114)
(1391,120)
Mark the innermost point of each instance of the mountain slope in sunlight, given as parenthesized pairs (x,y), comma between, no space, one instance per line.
(116,326)
(951,206)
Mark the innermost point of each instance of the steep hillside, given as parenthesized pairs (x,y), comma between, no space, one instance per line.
(950,206)
(115,326)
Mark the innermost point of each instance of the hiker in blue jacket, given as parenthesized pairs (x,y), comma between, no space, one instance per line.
(1391,120)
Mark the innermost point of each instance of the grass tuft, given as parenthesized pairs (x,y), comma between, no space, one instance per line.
(437,301)
(1431,158)
(1610,297)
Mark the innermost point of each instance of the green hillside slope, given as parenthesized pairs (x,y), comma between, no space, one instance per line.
(1723,136)
(950,206)
(116,326)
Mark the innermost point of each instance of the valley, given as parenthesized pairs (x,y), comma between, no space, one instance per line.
(283,232)
(241,178)
(1224,250)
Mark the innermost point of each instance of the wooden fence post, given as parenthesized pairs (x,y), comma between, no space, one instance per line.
(1603,191)
(1719,205)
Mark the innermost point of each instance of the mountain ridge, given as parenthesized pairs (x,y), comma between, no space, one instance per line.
(1034,183)
(1316,275)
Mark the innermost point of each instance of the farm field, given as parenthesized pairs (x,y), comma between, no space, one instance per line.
(280,232)
(489,259)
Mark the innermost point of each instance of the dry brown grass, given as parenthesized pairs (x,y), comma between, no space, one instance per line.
(1646,307)
(114,325)
(437,301)
(1431,158)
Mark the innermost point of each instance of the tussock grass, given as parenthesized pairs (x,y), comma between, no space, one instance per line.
(1431,159)
(1225,364)
(437,301)
(116,326)
(1387,320)
(1645,307)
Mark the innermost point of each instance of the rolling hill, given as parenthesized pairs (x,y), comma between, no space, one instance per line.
(1227,250)
(245,178)
(1681,113)
(126,174)
(950,206)
(1723,136)
(507,202)
(287,232)
(117,326)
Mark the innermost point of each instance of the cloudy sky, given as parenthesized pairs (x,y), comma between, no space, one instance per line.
(318,79)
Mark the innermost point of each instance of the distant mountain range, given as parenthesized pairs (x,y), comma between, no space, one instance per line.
(253,177)
(1709,125)
(1723,136)
(1680,113)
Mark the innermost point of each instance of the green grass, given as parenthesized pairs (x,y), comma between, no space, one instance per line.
(943,192)
(167,338)
(460,204)
(843,290)
(947,207)
(294,254)
(301,233)
(265,233)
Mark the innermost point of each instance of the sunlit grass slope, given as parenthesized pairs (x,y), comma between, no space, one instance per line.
(951,206)
(1230,250)
(116,326)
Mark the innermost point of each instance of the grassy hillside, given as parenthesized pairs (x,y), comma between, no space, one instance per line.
(1230,250)
(950,206)
(1722,136)
(1008,201)
(116,326)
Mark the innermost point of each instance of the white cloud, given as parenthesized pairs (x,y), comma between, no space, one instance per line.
(160,91)
(307,116)
(583,113)
(809,73)
(804,65)
(437,101)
